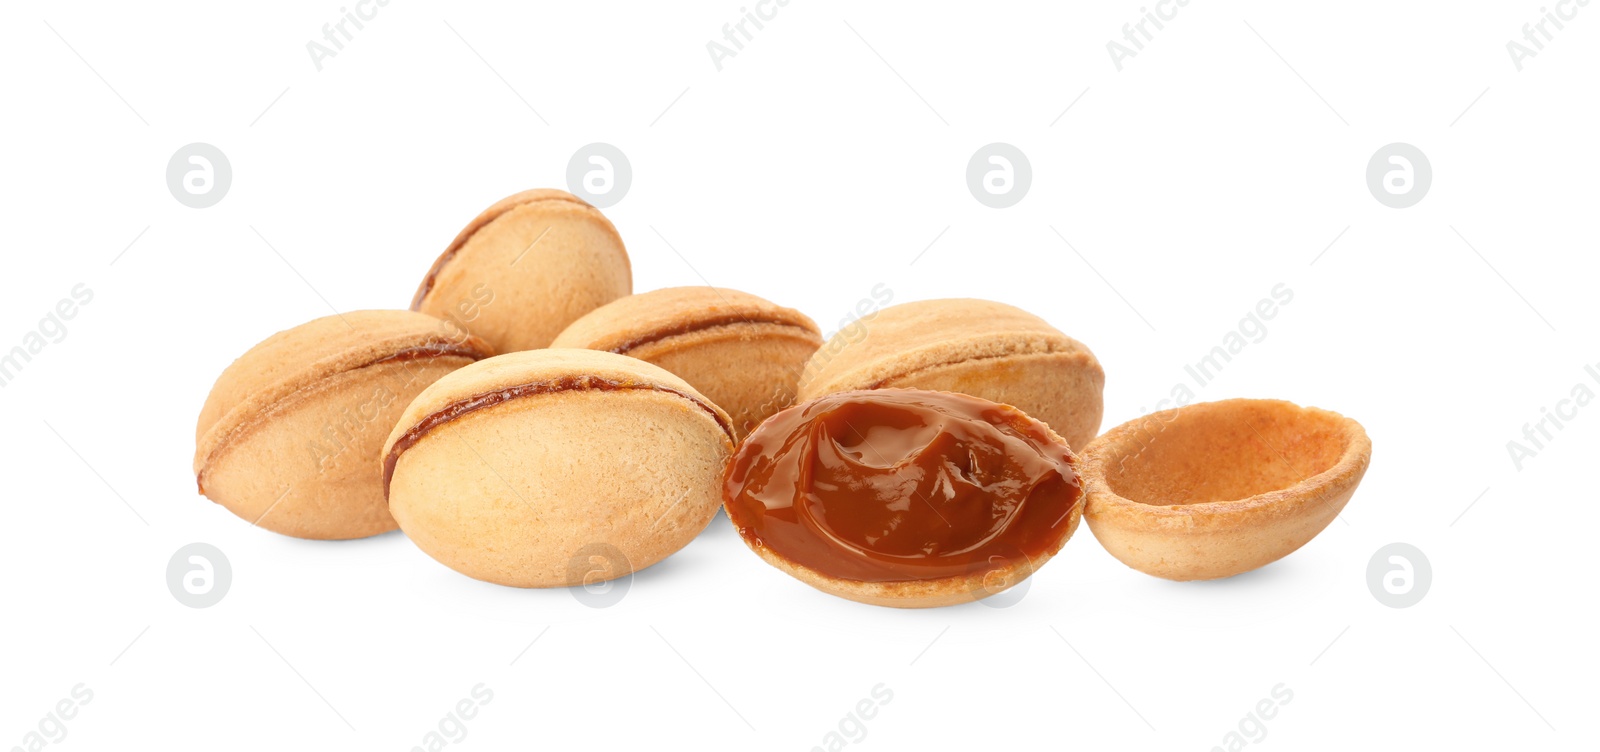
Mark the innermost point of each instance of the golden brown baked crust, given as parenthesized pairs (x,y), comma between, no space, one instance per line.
(978,347)
(561,450)
(527,267)
(288,435)
(948,591)
(742,351)
(1219,488)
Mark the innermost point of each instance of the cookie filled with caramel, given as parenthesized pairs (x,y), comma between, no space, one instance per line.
(978,347)
(290,436)
(743,352)
(904,497)
(556,467)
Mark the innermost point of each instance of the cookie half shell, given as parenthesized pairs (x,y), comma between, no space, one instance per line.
(1219,488)
(977,347)
(525,268)
(743,352)
(292,432)
(556,467)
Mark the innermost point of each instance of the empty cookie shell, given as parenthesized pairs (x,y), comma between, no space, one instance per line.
(290,437)
(524,469)
(742,351)
(977,347)
(525,268)
(1219,488)
(903,497)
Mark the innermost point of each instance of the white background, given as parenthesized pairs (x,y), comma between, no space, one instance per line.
(807,171)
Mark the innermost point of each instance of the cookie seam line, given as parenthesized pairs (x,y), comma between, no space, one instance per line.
(663,334)
(448,413)
(425,350)
(1050,349)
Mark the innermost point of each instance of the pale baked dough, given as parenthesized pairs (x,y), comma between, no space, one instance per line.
(524,492)
(977,347)
(541,259)
(290,436)
(742,351)
(1219,488)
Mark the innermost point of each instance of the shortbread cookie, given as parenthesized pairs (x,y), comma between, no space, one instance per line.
(557,467)
(526,268)
(977,347)
(291,435)
(743,352)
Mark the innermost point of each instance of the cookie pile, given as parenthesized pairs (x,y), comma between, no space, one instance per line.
(530,416)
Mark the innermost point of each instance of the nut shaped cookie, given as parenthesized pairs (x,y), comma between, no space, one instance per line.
(525,268)
(977,347)
(525,468)
(743,352)
(290,437)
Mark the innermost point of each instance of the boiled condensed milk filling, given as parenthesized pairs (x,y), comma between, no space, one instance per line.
(895,485)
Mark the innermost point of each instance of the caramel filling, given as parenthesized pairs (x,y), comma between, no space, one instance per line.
(431,350)
(700,325)
(898,485)
(467,405)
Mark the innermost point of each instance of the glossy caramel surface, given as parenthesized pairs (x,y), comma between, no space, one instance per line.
(895,485)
